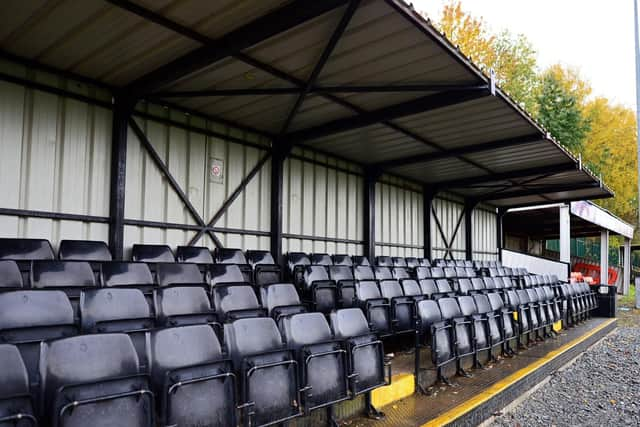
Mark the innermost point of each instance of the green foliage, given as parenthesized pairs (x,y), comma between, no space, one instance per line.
(560,110)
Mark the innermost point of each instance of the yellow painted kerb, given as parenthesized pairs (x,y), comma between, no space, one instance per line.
(501,385)
(402,385)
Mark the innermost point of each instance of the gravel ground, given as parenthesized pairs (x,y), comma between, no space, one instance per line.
(601,388)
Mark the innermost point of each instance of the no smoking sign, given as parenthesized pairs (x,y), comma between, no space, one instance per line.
(216,170)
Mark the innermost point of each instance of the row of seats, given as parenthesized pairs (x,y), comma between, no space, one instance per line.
(270,373)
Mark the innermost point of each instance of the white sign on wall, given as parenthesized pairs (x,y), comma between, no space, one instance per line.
(216,170)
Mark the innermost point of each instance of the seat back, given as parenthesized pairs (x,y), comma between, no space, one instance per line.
(412,262)
(25,249)
(400,273)
(428,314)
(443,285)
(230,256)
(437,272)
(152,253)
(190,378)
(382,273)
(340,259)
(297,258)
(235,301)
(10,275)
(359,260)
(411,287)
(183,305)
(450,272)
(495,301)
(399,261)
(84,250)
(423,273)
(279,299)
(61,274)
(478,283)
(366,290)
(90,367)
(384,261)
(483,304)
(304,329)
(349,323)
(315,273)
(363,273)
(226,273)
(113,274)
(172,274)
(255,257)
(340,273)
(467,305)
(391,289)
(465,286)
(428,287)
(449,308)
(13,376)
(321,259)
(194,254)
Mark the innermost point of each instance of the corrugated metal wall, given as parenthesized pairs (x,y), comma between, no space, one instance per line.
(54,156)
(484,228)
(448,210)
(322,205)
(187,155)
(399,223)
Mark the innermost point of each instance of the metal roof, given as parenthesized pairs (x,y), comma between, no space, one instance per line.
(370,81)
(543,221)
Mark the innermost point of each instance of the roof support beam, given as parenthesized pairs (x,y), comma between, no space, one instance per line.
(415,106)
(519,173)
(460,151)
(320,90)
(537,191)
(324,57)
(262,28)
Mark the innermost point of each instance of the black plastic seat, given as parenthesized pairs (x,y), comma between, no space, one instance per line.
(444,289)
(297,263)
(118,274)
(94,378)
(193,383)
(470,271)
(25,249)
(465,286)
(530,308)
(224,274)
(494,331)
(343,276)
(437,272)
(71,277)
(194,254)
(423,272)
(479,285)
(366,352)
(384,261)
(265,269)
(84,250)
(180,274)
(266,370)
(322,360)
(235,257)
(10,276)
(424,262)
(375,306)
(152,254)
(359,260)
(399,261)
(402,307)
(436,332)
(363,272)
(508,325)
(321,259)
(183,305)
(29,317)
(340,259)
(412,262)
(281,300)
(117,310)
(521,309)
(411,288)
(16,407)
(462,330)
(382,273)
(400,273)
(479,327)
(429,288)
(319,290)
(236,301)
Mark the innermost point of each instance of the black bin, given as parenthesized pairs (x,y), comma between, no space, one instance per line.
(606,300)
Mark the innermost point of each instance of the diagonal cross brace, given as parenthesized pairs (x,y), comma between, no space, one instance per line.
(174,184)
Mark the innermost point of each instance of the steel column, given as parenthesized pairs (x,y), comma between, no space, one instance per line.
(565,234)
(468,229)
(370,215)
(277,170)
(604,257)
(427,202)
(499,232)
(122,109)
(626,267)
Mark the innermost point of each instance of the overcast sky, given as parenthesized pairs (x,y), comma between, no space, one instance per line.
(596,36)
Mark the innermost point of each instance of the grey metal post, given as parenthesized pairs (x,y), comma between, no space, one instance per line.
(565,234)
(626,267)
(604,257)
(637,45)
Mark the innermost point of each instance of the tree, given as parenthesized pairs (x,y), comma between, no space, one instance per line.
(610,144)
(511,57)
(560,105)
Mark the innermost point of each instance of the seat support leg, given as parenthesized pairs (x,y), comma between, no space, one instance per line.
(331,421)
(371,410)
(461,372)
